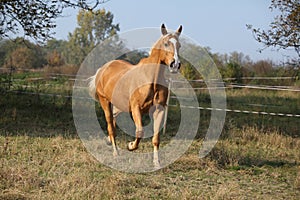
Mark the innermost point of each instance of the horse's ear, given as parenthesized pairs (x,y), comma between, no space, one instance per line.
(178,32)
(163,29)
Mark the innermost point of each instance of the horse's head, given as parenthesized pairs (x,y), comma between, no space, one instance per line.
(169,46)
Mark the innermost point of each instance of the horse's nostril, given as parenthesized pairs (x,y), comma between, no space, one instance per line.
(179,65)
(172,64)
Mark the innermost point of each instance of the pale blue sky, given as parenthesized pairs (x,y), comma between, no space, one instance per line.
(218,24)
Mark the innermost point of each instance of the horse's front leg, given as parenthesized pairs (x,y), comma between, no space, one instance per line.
(158,115)
(137,117)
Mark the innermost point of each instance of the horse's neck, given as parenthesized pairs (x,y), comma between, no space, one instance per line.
(153,65)
(153,68)
(153,58)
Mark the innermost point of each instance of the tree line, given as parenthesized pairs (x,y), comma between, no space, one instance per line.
(94,26)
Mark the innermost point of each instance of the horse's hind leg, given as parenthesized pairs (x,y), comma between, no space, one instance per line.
(137,117)
(106,106)
(116,112)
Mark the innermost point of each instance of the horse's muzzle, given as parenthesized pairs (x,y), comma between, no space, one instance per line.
(174,66)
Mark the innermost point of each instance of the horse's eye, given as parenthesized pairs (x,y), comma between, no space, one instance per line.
(166,44)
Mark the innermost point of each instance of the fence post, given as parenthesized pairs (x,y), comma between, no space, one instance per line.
(10,74)
(167,106)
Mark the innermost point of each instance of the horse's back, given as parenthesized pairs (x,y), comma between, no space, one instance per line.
(109,75)
(114,68)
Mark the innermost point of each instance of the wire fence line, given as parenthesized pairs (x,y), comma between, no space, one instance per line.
(232,86)
(73,77)
(238,111)
(277,88)
(7,70)
(171,105)
(229,85)
(54,76)
(244,78)
(226,85)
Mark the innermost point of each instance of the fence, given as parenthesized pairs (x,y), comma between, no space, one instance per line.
(233,86)
(49,84)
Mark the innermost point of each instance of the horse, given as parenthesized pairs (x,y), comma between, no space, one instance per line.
(138,89)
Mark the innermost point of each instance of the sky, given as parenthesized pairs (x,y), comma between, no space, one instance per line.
(218,24)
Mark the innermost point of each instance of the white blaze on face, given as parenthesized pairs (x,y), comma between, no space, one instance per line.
(176,58)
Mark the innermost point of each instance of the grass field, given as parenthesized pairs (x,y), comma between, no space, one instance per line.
(249,164)
(256,157)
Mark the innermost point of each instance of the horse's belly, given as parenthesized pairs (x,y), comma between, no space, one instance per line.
(146,106)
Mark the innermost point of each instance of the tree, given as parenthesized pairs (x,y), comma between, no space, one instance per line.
(188,71)
(24,57)
(263,68)
(285,29)
(54,59)
(94,27)
(13,53)
(134,56)
(55,45)
(6,47)
(36,18)
(234,70)
(54,50)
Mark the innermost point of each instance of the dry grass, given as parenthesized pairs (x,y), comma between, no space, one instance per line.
(247,165)
(247,162)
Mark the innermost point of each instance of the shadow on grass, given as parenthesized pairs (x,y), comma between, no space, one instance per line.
(36,116)
(229,160)
(258,162)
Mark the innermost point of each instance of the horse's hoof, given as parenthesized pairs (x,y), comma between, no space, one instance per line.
(157,165)
(107,141)
(131,146)
(115,153)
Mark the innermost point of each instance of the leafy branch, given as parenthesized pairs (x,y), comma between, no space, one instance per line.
(284,32)
(36,18)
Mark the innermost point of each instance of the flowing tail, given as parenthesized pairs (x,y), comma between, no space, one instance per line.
(92,87)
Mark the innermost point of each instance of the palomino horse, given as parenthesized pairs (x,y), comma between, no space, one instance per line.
(139,89)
